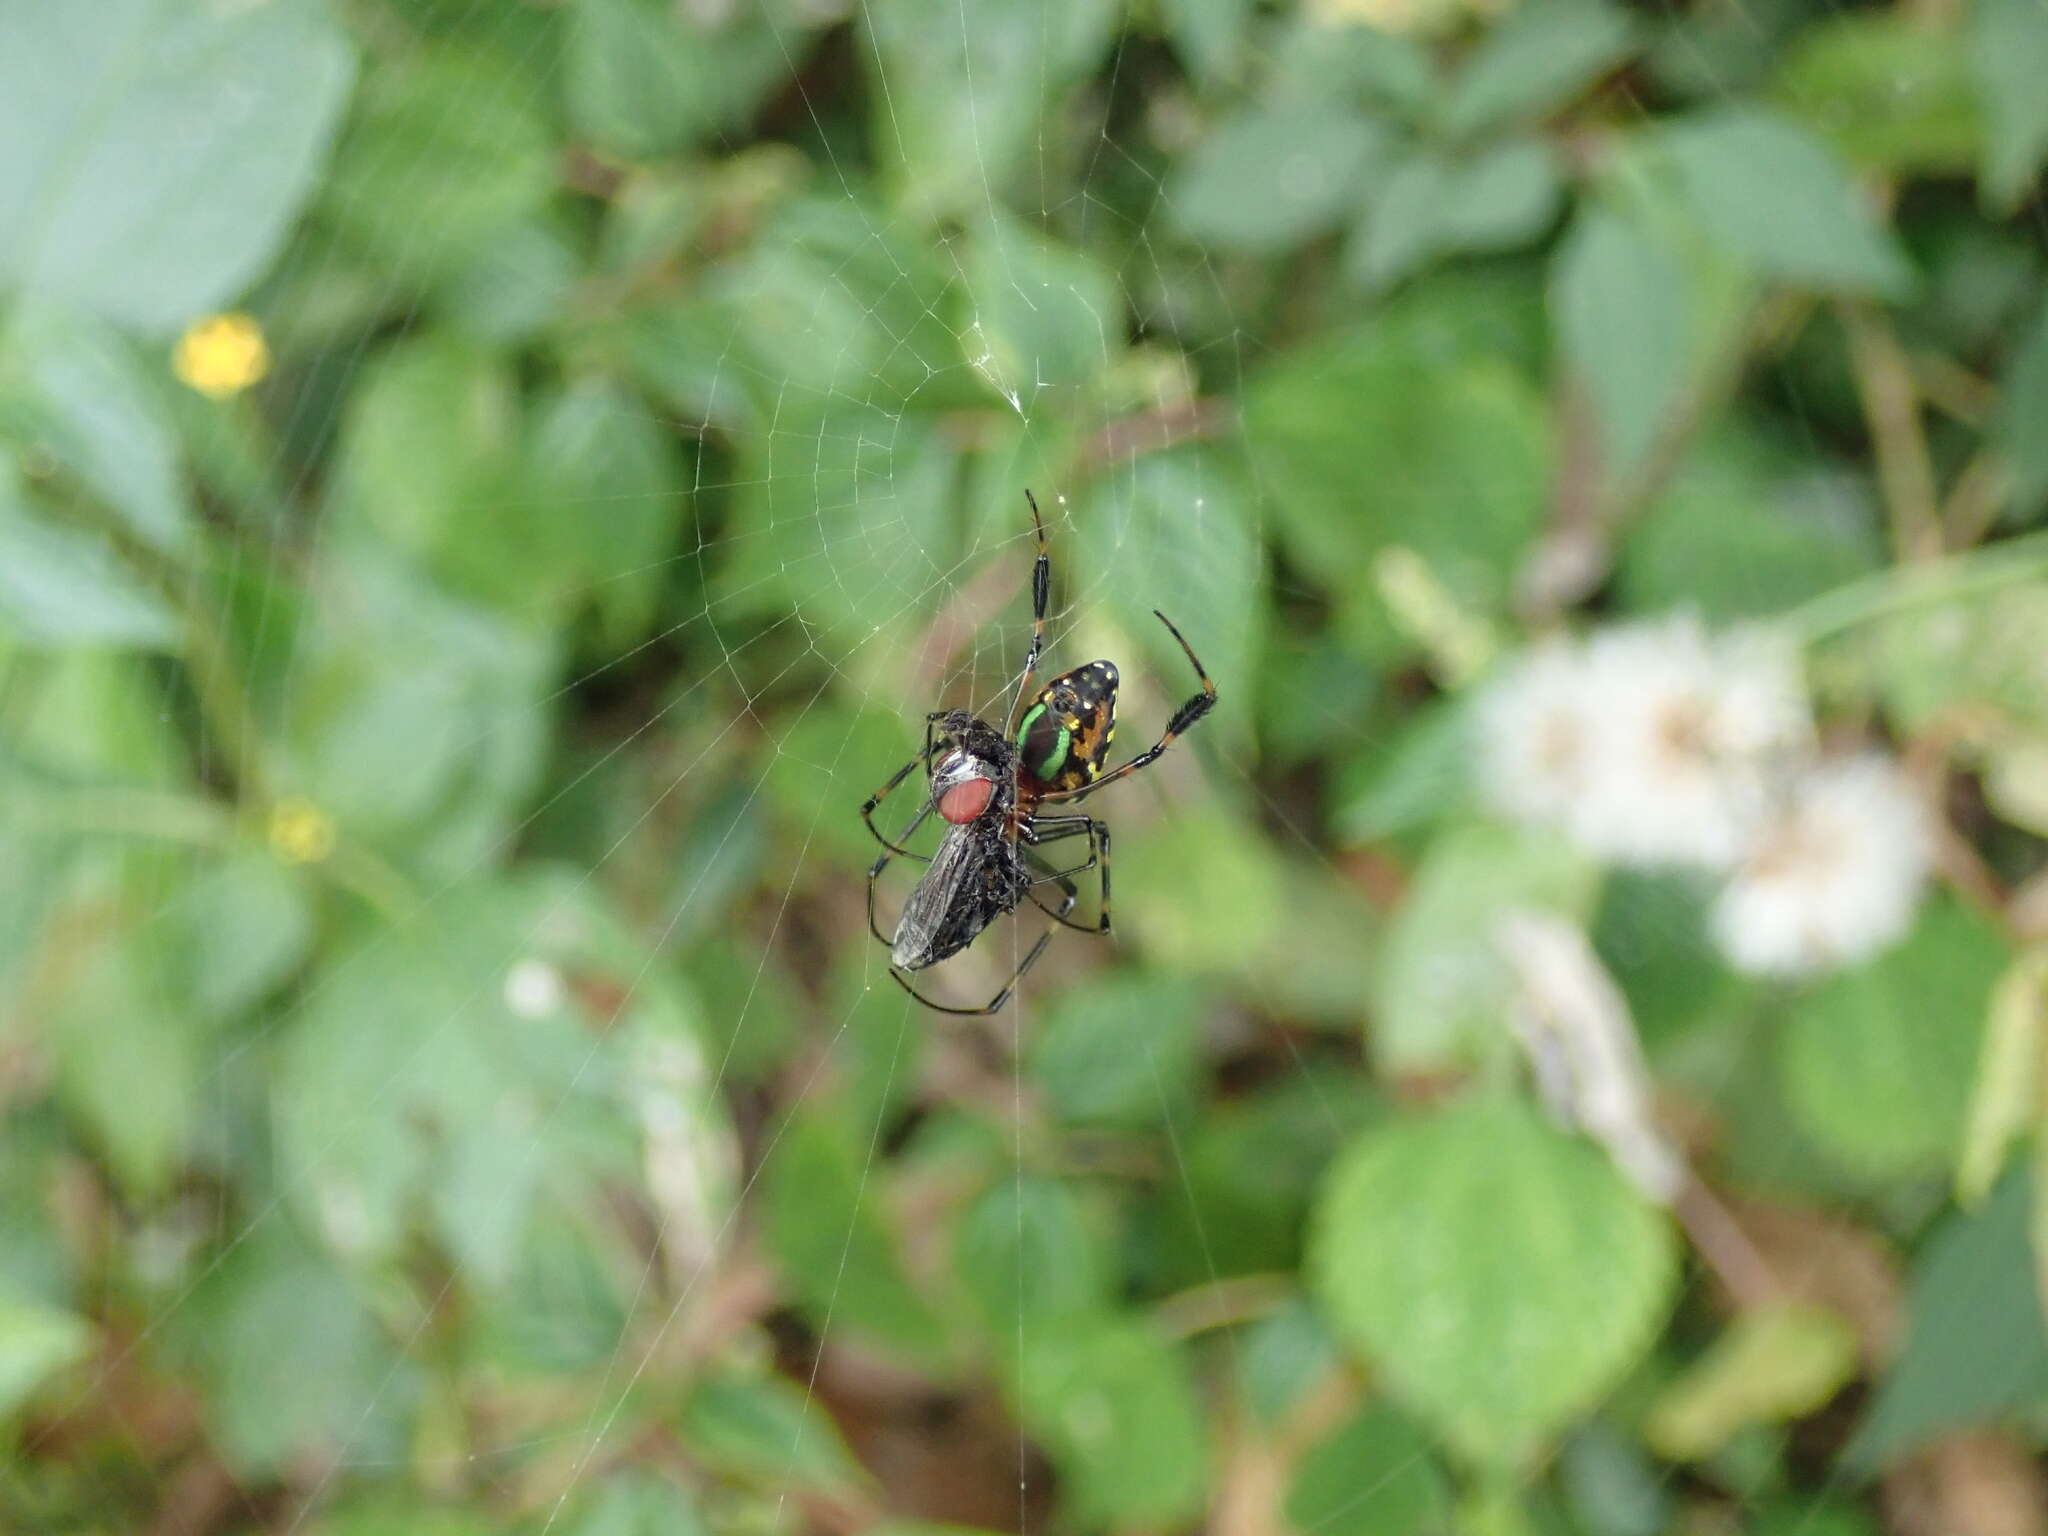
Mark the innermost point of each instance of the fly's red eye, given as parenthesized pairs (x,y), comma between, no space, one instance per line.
(966,800)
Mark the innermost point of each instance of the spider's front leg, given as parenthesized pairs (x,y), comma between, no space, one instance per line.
(1183,720)
(923,759)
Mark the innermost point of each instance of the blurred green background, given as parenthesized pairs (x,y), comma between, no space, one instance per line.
(488,486)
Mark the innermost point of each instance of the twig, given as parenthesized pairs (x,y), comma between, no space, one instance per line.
(1574,557)
(1891,408)
(1954,390)
(1724,1247)
(1150,431)
(1223,1303)
(1974,500)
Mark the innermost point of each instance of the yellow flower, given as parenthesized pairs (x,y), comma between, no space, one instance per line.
(222,355)
(300,832)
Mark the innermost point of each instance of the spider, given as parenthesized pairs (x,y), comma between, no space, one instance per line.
(990,786)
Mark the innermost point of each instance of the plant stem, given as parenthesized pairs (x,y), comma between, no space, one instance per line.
(1891,408)
(137,812)
(223,706)
(1222,1303)
(1903,588)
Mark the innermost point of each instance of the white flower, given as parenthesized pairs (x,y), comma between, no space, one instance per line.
(1651,743)
(1833,878)
(1693,730)
(534,989)
(1538,731)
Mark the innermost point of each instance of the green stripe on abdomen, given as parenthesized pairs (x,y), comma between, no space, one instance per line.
(1055,750)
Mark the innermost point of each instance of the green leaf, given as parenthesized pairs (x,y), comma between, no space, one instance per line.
(1613,1486)
(1025,1255)
(1652,933)
(1318,966)
(644,78)
(1410,780)
(984,81)
(274,1386)
(98,718)
(561,1308)
(423,189)
(156,155)
(1802,1516)
(414,720)
(1747,529)
(1366,436)
(515,286)
(1534,62)
(1042,317)
(61,586)
(1501,1275)
(1373,1475)
(831,759)
(1113,1404)
(1208,35)
(248,925)
(1281,1358)
(845,515)
(1248,1170)
(1314,696)
(834,307)
(1120,1052)
(1985,652)
(1772,195)
(2009,52)
(1779,1361)
(2009,1074)
(766,1431)
(636,1503)
(2022,407)
(1503,197)
(1343,60)
(607,486)
(826,1227)
(1175,533)
(400,1513)
(1878,1062)
(1201,891)
(1622,305)
(429,1082)
(1442,988)
(126,1050)
(430,463)
(1430,206)
(1975,1345)
(2014,775)
(91,409)
(1274,177)
(1888,89)
(36,1342)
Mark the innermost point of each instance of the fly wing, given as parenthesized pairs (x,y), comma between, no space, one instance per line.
(948,908)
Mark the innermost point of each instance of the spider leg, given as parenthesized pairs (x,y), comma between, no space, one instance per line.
(1098,858)
(995,1004)
(875,870)
(1183,720)
(1041,590)
(867,809)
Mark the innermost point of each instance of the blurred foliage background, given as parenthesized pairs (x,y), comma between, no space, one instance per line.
(488,486)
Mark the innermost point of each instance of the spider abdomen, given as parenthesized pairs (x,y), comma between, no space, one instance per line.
(1064,737)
